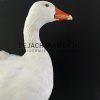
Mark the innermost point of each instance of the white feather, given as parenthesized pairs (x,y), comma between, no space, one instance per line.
(28,77)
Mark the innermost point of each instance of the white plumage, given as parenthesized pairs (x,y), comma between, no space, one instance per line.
(29,77)
(26,78)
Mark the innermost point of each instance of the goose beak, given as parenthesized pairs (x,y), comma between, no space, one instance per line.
(60,15)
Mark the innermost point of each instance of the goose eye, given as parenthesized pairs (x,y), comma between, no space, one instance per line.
(47,5)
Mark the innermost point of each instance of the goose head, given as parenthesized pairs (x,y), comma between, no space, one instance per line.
(42,12)
(48,12)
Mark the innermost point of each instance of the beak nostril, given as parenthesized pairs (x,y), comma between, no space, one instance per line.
(55,16)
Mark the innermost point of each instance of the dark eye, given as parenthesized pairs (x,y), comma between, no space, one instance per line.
(47,5)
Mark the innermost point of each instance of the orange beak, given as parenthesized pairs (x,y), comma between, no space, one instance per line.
(60,15)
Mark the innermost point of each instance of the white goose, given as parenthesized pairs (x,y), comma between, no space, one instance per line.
(30,77)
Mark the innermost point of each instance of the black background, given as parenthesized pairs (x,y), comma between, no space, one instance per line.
(77,66)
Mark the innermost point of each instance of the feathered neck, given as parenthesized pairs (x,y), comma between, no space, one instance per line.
(31,30)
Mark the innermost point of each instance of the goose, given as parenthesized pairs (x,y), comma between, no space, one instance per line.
(30,77)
